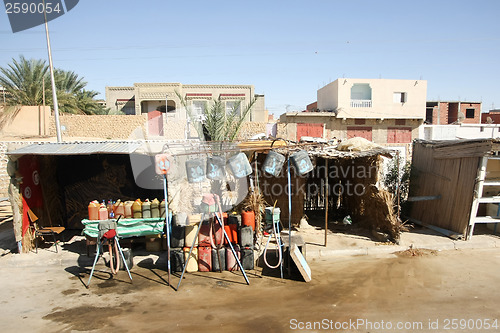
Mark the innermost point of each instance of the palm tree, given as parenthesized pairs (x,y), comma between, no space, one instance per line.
(23,83)
(217,124)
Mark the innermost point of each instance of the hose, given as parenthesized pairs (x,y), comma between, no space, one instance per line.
(278,243)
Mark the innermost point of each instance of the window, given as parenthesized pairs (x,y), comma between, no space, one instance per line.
(400,97)
(198,108)
(361,95)
(470,113)
(233,106)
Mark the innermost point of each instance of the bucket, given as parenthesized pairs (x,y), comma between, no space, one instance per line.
(273,163)
(239,165)
(137,209)
(248,218)
(195,170)
(93,210)
(155,208)
(128,209)
(301,162)
(146,209)
(272,217)
(204,258)
(216,168)
(192,265)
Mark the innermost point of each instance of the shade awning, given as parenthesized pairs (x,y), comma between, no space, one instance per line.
(78,148)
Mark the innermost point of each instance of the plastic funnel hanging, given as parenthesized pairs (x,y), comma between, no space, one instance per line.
(195,170)
(273,163)
(239,165)
(215,168)
(302,162)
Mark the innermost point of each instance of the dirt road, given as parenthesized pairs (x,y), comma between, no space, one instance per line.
(355,294)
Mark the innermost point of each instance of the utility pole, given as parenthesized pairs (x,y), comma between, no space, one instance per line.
(54,93)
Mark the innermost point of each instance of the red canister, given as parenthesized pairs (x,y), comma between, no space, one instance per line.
(248,218)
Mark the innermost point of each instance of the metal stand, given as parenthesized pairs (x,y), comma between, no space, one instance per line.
(167,225)
(230,245)
(99,245)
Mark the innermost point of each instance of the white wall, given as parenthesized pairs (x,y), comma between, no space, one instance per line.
(462,131)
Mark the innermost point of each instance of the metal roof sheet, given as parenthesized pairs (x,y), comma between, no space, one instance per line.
(78,148)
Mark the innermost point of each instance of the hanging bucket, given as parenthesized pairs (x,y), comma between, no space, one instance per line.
(273,163)
(239,165)
(215,168)
(302,162)
(195,170)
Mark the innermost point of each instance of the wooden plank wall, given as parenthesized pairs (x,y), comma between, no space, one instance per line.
(452,178)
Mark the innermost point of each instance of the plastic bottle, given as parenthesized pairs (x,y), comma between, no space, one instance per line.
(94,210)
(162,209)
(119,208)
(137,209)
(128,209)
(103,212)
(146,209)
(155,208)
(109,207)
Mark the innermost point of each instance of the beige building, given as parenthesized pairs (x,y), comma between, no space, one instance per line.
(147,97)
(381,110)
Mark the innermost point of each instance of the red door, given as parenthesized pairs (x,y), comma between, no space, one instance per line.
(399,135)
(314,130)
(360,132)
(155,123)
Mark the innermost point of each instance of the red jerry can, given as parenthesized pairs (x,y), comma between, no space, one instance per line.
(218,235)
(231,264)
(204,258)
(204,235)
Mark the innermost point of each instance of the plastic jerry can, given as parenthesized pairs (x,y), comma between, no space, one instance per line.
(246,236)
(248,218)
(137,209)
(219,259)
(232,233)
(155,208)
(146,209)
(94,210)
(162,209)
(190,235)
(239,165)
(247,258)
(177,260)
(192,265)
(273,163)
(119,208)
(177,236)
(103,212)
(204,235)
(272,214)
(218,235)
(231,263)
(195,218)
(128,209)
(234,219)
(301,162)
(204,259)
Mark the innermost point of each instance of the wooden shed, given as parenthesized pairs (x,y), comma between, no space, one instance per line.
(463,176)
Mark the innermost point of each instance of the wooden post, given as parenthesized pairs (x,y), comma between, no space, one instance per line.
(326,200)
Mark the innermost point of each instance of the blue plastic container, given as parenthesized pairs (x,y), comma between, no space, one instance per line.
(216,168)
(301,162)
(239,165)
(273,163)
(195,170)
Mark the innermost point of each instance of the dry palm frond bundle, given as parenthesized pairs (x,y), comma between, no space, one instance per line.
(379,213)
(255,202)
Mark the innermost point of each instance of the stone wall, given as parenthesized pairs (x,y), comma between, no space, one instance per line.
(99,126)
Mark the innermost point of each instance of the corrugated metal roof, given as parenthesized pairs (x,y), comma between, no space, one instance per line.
(79,148)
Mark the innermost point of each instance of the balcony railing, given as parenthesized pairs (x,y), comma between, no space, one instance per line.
(361,103)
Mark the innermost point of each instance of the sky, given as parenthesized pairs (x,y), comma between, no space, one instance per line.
(286,49)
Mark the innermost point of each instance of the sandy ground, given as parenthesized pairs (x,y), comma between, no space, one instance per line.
(411,289)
